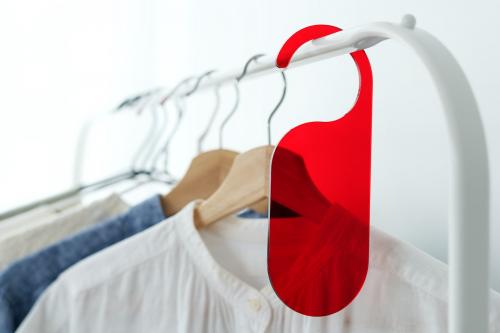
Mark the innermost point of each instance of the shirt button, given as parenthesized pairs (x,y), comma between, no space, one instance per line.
(255,304)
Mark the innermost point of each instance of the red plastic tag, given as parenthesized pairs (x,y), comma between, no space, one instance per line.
(320,200)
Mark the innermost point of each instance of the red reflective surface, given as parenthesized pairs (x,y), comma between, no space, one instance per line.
(320,201)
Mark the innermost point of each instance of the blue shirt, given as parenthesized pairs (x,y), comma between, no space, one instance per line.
(252,214)
(22,282)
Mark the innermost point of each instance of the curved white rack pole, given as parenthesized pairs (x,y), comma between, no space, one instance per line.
(469,193)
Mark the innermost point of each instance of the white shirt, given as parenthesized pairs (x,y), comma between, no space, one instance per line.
(31,237)
(170,278)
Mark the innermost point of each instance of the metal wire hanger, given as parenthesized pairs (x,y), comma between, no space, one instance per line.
(205,172)
(165,150)
(236,85)
(154,174)
(247,182)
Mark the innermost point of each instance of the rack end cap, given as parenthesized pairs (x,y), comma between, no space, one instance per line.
(409,21)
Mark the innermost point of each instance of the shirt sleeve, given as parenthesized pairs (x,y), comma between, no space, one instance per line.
(50,313)
(6,320)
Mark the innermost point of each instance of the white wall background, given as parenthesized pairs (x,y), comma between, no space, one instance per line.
(64,61)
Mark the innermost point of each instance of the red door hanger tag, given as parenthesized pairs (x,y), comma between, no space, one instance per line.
(320,200)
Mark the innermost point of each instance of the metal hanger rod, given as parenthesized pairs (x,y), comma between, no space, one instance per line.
(340,43)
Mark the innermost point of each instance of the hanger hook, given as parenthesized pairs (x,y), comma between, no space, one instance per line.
(160,116)
(237,100)
(180,113)
(180,108)
(214,113)
(192,91)
(247,64)
(162,102)
(203,135)
(269,119)
(142,152)
(231,113)
(175,89)
(198,81)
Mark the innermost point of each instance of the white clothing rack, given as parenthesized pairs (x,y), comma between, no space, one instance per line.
(469,192)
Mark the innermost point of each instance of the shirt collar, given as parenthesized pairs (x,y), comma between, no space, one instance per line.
(235,291)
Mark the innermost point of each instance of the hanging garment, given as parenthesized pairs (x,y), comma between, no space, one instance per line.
(170,279)
(25,280)
(25,241)
(24,220)
(36,216)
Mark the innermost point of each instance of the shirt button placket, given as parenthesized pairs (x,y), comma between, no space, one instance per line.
(259,313)
(255,304)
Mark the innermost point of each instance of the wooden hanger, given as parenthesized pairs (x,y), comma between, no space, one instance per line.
(247,182)
(204,175)
(207,170)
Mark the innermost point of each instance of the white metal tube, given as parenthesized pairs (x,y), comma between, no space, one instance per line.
(468,309)
(469,193)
